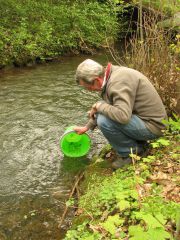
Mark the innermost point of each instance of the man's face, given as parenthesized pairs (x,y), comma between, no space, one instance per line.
(94,86)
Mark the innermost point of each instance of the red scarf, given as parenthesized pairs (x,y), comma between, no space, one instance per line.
(108,71)
(106,76)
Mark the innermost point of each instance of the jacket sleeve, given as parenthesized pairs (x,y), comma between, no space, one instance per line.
(91,124)
(121,93)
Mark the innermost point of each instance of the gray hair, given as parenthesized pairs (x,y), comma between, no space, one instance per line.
(88,70)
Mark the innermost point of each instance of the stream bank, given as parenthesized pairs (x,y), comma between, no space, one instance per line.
(140,201)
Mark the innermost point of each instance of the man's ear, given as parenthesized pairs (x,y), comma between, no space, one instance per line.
(100,80)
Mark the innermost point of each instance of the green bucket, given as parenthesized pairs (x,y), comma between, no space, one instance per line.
(73,144)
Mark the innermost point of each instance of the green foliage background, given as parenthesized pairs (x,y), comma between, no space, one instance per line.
(31,30)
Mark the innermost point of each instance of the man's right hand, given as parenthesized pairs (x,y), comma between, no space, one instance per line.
(81,130)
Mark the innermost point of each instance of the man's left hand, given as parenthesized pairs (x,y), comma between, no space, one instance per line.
(94,109)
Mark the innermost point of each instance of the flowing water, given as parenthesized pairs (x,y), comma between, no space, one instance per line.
(37,104)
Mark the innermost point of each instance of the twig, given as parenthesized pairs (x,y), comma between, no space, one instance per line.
(77,191)
(79,177)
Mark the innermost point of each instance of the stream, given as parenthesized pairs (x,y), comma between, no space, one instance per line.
(37,104)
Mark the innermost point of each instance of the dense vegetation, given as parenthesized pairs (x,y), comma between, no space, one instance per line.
(35,30)
(137,202)
(164,6)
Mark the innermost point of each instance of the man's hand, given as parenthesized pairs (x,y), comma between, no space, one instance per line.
(94,109)
(81,130)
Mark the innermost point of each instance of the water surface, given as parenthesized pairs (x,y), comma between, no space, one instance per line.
(36,105)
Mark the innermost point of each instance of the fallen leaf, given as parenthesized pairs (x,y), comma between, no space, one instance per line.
(97,228)
(172,192)
(160,178)
(157,163)
(104,215)
(79,211)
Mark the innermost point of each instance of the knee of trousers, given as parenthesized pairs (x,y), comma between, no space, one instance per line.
(103,121)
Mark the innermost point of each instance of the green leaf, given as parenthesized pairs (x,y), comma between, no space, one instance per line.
(155,145)
(89,238)
(137,233)
(121,196)
(149,159)
(158,233)
(110,224)
(123,204)
(176,156)
(70,202)
(150,220)
(109,227)
(163,142)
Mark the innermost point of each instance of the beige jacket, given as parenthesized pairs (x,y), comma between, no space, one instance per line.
(130,92)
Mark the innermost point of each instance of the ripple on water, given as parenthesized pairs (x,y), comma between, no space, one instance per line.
(37,105)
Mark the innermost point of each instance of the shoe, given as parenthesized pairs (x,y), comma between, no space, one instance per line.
(111,156)
(121,162)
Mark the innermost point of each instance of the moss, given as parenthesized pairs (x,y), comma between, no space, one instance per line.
(95,173)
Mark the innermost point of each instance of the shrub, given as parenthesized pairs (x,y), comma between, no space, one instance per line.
(157,58)
(41,29)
